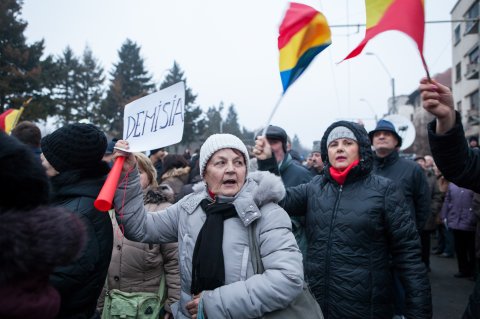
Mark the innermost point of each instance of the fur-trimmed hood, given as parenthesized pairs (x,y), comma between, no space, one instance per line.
(269,187)
(176,172)
(162,193)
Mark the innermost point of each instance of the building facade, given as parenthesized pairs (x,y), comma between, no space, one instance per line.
(465,68)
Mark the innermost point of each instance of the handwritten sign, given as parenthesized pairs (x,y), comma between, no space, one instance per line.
(155,120)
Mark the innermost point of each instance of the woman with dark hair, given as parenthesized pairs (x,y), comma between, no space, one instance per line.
(357,224)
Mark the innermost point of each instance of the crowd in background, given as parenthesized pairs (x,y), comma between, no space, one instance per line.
(365,223)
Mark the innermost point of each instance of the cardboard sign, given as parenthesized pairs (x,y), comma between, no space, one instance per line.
(155,120)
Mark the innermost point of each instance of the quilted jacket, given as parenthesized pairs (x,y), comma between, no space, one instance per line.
(355,231)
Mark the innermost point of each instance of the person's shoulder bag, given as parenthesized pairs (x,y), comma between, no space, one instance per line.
(134,305)
(303,306)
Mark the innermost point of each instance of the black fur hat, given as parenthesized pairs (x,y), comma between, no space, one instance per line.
(24,183)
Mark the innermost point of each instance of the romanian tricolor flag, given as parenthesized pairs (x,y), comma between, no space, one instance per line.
(407,16)
(304,33)
(9,119)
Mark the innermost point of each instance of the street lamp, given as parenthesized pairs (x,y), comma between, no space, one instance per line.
(371,109)
(392,80)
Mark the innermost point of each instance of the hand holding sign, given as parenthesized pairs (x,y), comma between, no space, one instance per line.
(154,121)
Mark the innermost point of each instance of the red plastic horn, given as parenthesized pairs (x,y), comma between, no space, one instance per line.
(105,198)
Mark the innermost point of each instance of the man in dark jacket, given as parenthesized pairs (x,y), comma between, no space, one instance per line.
(317,163)
(458,163)
(290,171)
(72,157)
(409,176)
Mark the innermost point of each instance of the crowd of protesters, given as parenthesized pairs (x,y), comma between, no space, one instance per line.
(353,222)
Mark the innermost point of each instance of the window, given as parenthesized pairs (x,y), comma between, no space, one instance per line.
(472,14)
(474,99)
(473,56)
(456,35)
(458,72)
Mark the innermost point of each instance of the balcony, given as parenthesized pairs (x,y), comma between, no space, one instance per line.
(472,71)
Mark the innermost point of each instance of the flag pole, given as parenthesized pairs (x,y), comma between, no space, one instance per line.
(20,111)
(271,115)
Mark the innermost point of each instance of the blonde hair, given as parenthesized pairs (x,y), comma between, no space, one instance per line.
(145,164)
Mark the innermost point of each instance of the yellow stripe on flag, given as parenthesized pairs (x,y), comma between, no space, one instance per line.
(375,10)
(314,34)
(11,120)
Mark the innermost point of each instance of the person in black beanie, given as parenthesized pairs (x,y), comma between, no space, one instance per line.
(34,238)
(72,157)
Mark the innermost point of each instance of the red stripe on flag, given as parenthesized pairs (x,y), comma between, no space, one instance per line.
(407,16)
(298,16)
(3,116)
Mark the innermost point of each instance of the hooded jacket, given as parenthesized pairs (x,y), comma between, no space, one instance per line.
(80,282)
(245,294)
(354,231)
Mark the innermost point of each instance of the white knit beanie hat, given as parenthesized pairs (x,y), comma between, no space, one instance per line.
(217,142)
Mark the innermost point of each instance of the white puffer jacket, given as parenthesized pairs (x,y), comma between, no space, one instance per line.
(244,295)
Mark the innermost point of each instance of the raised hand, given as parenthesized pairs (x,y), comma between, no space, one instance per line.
(262,149)
(438,100)
(130,160)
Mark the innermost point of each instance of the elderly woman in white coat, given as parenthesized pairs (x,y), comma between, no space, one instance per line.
(211,227)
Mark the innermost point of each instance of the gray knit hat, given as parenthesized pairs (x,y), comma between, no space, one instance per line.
(340,132)
(316,146)
(217,142)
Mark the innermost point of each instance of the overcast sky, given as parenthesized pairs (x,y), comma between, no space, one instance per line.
(228,50)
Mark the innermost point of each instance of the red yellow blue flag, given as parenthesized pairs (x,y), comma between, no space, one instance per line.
(304,33)
(407,16)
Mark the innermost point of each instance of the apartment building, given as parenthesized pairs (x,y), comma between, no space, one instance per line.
(465,68)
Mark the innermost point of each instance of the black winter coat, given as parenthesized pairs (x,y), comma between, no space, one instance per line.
(458,163)
(411,179)
(353,231)
(80,283)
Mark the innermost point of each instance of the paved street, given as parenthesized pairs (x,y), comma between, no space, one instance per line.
(450,294)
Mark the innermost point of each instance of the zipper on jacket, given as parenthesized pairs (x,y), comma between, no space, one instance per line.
(329,250)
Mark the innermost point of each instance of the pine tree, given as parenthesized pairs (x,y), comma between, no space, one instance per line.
(231,122)
(130,81)
(213,122)
(68,87)
(194,124)
(20,64)
(296,145)
(90,85)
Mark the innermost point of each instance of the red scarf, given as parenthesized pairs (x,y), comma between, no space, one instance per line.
(341,176)
(211,194)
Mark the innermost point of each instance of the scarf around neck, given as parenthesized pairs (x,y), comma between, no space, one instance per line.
(341,176)
(208,267)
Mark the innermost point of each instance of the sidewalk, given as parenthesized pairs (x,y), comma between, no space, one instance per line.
(449,294)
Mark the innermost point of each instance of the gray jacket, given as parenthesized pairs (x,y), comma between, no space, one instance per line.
(244,295)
